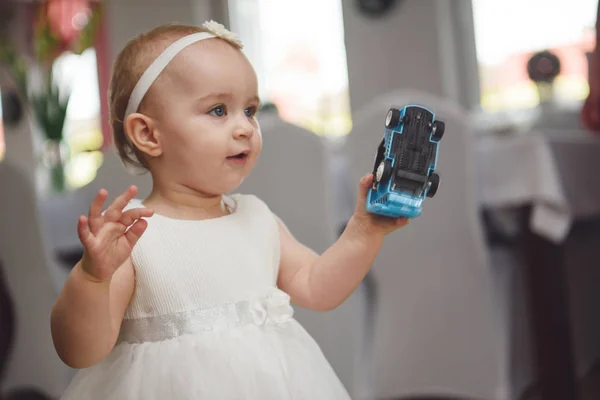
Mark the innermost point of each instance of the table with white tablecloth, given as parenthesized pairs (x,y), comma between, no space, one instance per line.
(554,171)
(540,185)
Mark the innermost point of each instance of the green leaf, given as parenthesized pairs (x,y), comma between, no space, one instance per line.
(50,110)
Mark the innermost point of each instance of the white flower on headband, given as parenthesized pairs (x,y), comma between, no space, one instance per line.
(219,30)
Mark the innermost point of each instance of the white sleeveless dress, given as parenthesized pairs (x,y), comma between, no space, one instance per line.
(206,320)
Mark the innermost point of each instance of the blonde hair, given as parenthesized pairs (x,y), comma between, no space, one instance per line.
(130,64)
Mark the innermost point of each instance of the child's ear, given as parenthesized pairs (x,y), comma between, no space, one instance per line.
(140,129)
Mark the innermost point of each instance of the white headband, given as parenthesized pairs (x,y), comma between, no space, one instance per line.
(215,29)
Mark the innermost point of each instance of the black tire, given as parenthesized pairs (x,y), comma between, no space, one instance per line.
(378,159)
(438,131)
(434,180)
(392,118)
(385,168)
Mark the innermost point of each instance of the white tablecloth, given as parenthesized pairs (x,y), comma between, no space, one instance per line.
(555,171)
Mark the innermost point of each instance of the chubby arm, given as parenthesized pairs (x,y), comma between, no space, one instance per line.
(87,315)
(324,282)
(86,318)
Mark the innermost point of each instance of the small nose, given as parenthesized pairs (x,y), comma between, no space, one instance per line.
(243,128)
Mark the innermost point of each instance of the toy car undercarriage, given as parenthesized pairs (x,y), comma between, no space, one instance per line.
(407,156)
(415,154)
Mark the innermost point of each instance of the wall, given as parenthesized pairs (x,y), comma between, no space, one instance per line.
(425,44)
(128,18)
(391,52)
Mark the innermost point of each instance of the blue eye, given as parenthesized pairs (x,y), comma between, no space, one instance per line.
(218,111)
(250,112)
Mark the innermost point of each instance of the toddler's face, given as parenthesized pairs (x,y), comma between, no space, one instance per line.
(205,109)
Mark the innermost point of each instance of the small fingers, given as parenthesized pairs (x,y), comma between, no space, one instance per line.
(83,230)
(96,207)
(366,180)
(363,189)
(400,222)
(134,233)
(129,216)
(113,212)
(365,184)
(95,214)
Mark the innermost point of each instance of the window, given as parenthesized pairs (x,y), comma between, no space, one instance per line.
(508,32)
(82,130)
(297,49)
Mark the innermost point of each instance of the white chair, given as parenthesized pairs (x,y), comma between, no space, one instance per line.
(28,270)
(291,176)
(438,328)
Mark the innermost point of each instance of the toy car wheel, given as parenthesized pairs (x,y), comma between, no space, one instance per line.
(384,170)
(378,159)
(392,119)
(438,131)
(434,184)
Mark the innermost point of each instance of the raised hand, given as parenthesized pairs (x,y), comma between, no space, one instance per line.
(109,239)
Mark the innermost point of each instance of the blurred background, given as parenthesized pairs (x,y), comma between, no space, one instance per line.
(491,294)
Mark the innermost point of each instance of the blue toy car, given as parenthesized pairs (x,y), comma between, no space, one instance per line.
(404,170)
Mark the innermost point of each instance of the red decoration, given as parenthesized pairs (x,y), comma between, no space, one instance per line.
(67,18)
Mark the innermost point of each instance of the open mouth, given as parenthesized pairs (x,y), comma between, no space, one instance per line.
(239,157)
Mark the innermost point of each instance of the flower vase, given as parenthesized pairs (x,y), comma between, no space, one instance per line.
(54,156)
